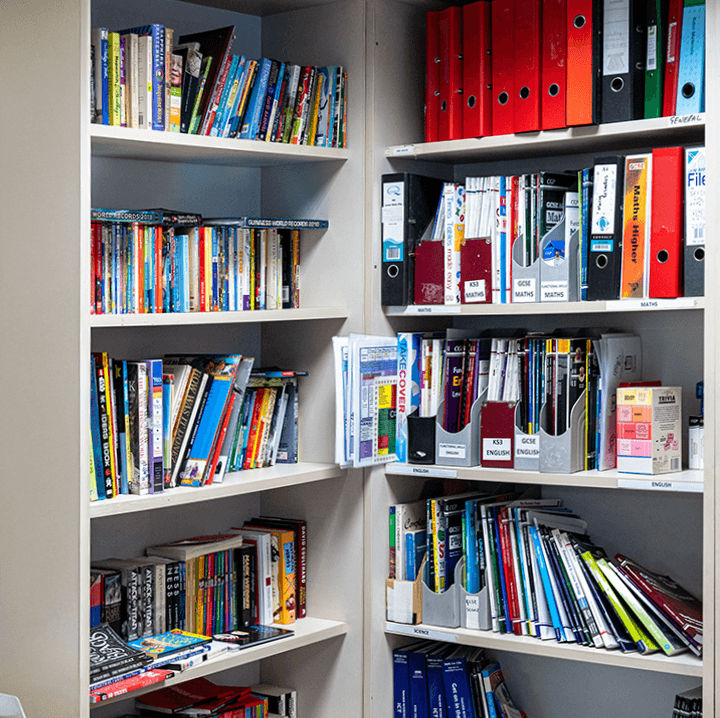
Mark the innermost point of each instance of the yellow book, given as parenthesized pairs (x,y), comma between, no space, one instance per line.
(114,91)
(315,110)
(636,226)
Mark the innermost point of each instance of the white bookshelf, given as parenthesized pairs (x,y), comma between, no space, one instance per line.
(668,519)
(63,166)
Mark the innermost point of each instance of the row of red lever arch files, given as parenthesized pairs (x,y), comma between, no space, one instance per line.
(477,56)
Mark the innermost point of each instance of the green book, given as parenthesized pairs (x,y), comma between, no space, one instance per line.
(654,60)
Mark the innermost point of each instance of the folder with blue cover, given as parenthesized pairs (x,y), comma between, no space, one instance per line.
(691,72)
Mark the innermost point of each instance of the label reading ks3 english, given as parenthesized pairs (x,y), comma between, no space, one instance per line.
(496,450)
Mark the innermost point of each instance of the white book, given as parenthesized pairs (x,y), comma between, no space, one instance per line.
(263,544)
(454,196)
(145,73)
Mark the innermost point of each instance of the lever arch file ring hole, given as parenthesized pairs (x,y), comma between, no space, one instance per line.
(579,21)
(503,98)
(524,93)
(393,271)
(699,254)
(662,256)
(617,84)
(554,90)
(688,90)
(471,101)
(601,261)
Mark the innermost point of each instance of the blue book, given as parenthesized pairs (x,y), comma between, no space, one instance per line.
(401,684)
(458,693)
(232,108)
(251,122)
(274,84)
(415,547)
(221,371)
(547,584)
(417,669)
(470,540)
(157,32)
(408,390)
(95,433)
(490,679)
(586,184)
(223,108)
(437,702)
(691,68)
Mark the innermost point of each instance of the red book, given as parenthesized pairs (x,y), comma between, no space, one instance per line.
(432,76)
(580,63)
(527,65)
(503,66)
(554,64)
(666,229)
(476,271)
(141,231)
(672,599)
(477,70)
(509,570)
(214,102)
(158,266)
(672,56)
(202,248)
(195,692)
(451,74)
(127,685)
(255,428)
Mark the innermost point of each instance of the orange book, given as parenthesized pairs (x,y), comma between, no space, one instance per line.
(255,429)
(636,227)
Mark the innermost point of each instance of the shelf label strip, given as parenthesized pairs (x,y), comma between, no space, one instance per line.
(422,632)
(407,470)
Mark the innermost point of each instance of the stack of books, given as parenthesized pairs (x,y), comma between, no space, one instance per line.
(186,420)
(545,577)
(247,577)
(141,78)
(161,261)
(438,679)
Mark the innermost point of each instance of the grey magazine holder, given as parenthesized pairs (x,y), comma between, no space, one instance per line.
(527,450)
(560,282)
(460,448)
(525,280)
(474,607)
(564,454)
(443,609)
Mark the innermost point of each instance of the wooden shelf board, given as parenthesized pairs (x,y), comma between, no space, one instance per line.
(685,664)
(307,632)
(207,318)
(129,143)
(235,483)
(690,481)
(615,136)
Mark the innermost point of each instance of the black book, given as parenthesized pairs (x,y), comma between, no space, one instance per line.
(192,62)
(110,655)
(215,44)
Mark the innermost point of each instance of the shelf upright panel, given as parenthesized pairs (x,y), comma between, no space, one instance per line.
(44,436)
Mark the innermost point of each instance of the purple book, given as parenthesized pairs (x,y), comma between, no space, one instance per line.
(454,356)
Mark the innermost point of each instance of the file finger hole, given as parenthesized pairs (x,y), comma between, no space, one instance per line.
(662,256)
(579,21)
(617,84)
(601,261)
(554,90)
(688,90)
(699,254)
(471,101)
(503,98)
(393,271)
(524,93)
(443,106)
